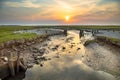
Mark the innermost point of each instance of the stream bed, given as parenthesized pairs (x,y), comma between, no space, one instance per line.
(69,59)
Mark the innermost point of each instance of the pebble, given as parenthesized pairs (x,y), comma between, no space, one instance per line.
(35,51)
(72,43)
(29,65)
(41,51)
(45,45)
(78,48)
(5,59)
(36,61)
(88,60)
(90,65)
(28,44)
(41,65)
(63,48)
(49,39)
(57,57)
(49,58)
(71,46)
(82,55)
(43,59)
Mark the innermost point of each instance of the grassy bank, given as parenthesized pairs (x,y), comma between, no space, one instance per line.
(6,33)
(109,39)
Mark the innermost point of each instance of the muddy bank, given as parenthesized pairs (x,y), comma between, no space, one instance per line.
(14,47)
(104,54)
(19,45)
(105,40)
(26,48)
(108,40)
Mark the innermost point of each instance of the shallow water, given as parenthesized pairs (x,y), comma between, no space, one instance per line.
(113,34)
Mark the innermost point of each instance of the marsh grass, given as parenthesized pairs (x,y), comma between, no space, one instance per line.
(7,33)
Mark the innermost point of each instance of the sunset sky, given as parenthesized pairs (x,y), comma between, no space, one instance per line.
(59,11)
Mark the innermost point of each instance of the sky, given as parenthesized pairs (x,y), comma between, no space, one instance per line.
(59,11)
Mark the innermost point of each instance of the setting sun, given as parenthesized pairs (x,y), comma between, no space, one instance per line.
(67,18)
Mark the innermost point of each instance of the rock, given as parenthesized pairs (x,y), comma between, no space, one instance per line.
(69,39)
(5,59)
(90,65)
(33,42)
(23,41)
(34,50)
(35,57)
(38,57)
(28,43)
(82,55)
(63,48)
(49,58)
(78,48)
(72,43)
(42,51)
(17,43)
(29,65)
(36,61)
(42,59)
(21,46)
(71,46)
(49,39)
(45,45)
(2,45)
(14,48)
(41,65)
(55,48)
(88,60)
(57,56)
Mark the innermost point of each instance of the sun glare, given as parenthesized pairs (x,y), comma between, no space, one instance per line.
(67,18)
